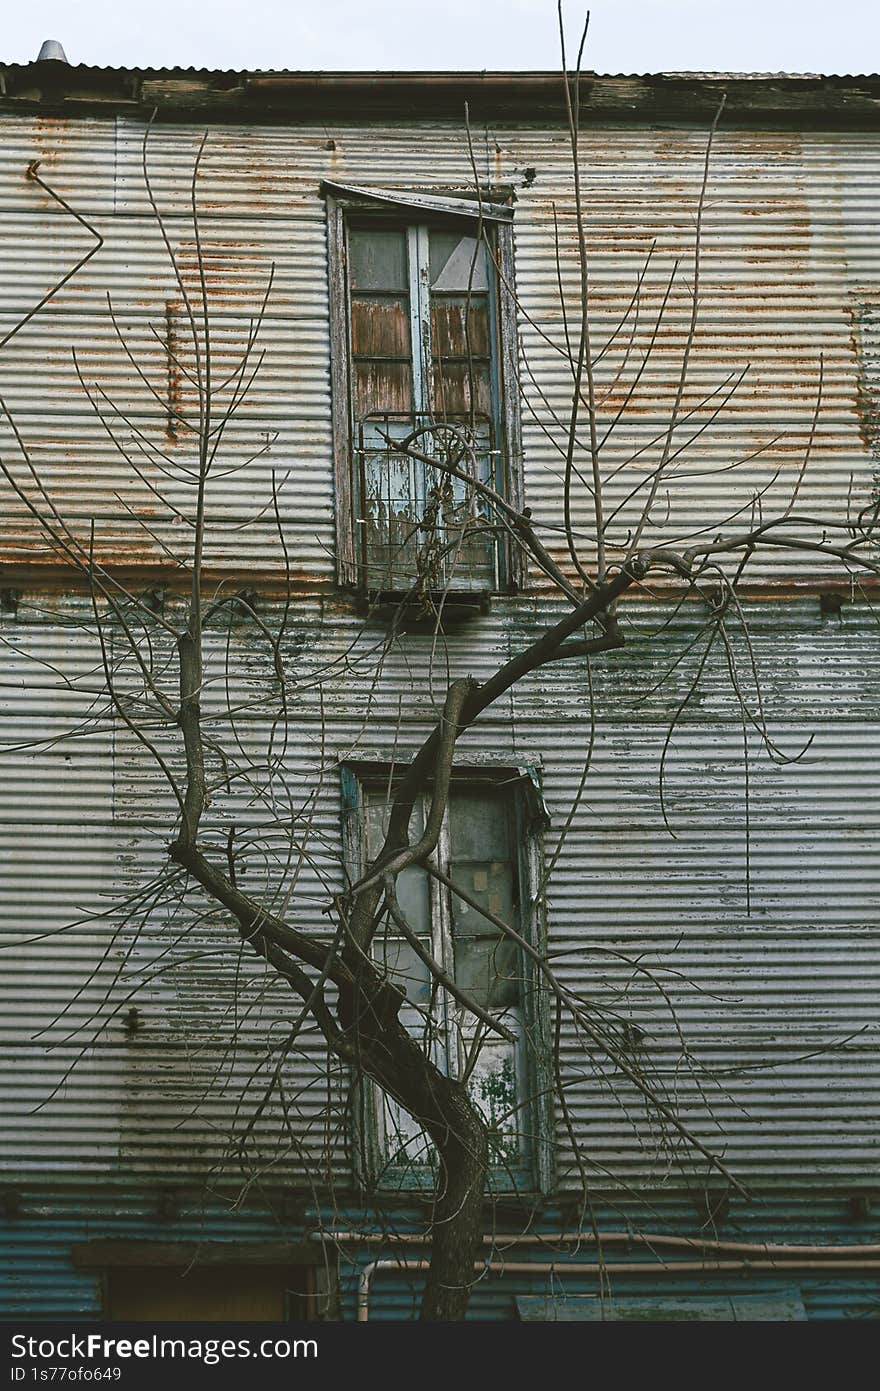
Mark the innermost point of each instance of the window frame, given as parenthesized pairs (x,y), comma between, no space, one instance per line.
(535,1175)
(409,208)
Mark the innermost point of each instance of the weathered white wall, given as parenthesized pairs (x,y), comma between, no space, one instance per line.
(775,969)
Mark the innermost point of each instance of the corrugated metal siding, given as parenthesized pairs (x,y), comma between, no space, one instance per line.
(787,980)
(772,975)
(788,258)
(38,1278)
(397,1297)
(820,1221)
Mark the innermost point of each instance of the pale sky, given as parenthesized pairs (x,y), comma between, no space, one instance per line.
(625,35)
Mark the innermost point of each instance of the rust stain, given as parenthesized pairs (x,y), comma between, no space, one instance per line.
(51,134)
(235,270)
(867,407)
(49,575)
(778,589)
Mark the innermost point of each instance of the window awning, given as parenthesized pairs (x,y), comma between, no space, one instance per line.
(421,202)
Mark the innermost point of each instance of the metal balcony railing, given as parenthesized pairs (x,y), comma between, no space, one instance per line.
(420,527)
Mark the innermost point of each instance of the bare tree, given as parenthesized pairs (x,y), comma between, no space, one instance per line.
(165,664)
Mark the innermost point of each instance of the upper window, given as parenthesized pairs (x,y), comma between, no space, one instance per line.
(423,399)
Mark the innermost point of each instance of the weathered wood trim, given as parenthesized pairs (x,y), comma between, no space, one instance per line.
(346,560)
(364,1094)
(532,819)
(508,366)
(423,203)
(806,102)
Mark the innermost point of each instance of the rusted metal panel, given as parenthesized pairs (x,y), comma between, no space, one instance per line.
(787,258)
(41,1274)
(62,1242)
(75,156)
(774,297)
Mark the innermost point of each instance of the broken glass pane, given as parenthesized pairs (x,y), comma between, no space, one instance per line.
(490,883)
(457,262)
(487,965)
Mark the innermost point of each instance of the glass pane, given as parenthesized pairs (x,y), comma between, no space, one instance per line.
(405,967)
(452,388)
(405,1143)
(376,809)
(382,386)
(479,824)
(490,883)
(378,801)
(380,327)
(413,893)
(451,315)
(496,1089)
(377,258)
(413,898)
(489,970)
(456,262)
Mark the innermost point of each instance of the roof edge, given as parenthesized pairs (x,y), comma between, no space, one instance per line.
(783,98)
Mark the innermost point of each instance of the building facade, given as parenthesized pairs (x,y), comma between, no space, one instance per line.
(688,829)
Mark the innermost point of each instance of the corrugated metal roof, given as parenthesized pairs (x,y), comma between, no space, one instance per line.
(427,75)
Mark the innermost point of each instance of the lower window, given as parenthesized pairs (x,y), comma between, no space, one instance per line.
(488,851)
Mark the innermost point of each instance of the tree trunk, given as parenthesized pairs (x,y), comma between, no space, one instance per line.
(441,1105)
(463,1150)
